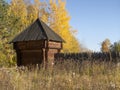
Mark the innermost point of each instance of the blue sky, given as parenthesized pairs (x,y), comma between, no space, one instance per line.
(95,21)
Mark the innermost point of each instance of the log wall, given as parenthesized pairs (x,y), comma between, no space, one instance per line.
(36,52)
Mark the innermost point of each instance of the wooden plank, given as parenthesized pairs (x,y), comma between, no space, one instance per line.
(30,45)
(18,52)
(31,57)
(51,53)
(54,45)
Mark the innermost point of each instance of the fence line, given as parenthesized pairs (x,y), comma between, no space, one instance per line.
(112,56)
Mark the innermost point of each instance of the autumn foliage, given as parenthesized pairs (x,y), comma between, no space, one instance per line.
(18,14)
(53,13)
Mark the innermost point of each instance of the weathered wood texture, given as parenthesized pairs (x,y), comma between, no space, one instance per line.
(54,45)
(31,57)
(33,45)
(36,52)
(29,45)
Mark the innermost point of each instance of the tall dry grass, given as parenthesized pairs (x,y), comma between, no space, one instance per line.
(67,75)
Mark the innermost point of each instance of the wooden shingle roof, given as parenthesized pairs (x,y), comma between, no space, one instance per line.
(38,30)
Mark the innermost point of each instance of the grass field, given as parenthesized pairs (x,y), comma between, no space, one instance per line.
(67,75)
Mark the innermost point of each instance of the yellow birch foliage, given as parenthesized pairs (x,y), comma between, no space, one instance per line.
(41,10)
(18,9)
(105,45)
(27,13)
(32,13)
(53,13)
(59,22)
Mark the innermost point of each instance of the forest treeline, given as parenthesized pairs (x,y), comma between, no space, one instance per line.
(16,15)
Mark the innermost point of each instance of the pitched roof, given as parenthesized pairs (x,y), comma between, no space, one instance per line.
(38,30)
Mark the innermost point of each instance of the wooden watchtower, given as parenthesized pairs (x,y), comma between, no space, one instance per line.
(37,44)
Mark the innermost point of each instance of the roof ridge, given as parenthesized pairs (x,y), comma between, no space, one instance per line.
(39,21)
(43,23)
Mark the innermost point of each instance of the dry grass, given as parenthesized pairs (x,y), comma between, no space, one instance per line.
(66,76)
